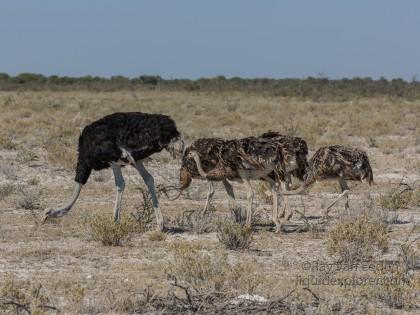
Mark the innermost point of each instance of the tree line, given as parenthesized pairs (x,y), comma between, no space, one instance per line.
(310,87)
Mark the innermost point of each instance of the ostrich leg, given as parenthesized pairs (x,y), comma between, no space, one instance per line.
(210,194)
(150,183)
(344,193)
(250,197)
(275,213)
(286,200)
(286,207)
(229,190)
(120,184)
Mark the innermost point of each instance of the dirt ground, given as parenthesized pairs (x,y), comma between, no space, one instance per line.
(38,142)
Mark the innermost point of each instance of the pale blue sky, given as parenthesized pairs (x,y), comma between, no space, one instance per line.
(193,38)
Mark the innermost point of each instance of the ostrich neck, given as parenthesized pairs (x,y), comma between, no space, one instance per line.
(64,209)
(199,166)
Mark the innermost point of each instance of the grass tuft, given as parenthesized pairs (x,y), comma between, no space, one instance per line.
(233,235)
(358,240)
(103,228)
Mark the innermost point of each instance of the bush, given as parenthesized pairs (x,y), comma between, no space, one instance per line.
(398,288)
(358,240)
(234,235)
(156,236)
(103,228)
(24,296)
(28,200)
(6,190)
(197,221)
(400,284)
(206,275)
(396,200)
(7,143)
(144,215)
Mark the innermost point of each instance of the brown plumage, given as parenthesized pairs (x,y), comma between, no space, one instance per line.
(295,150)
(238,160)
(208,149)
(340,162)
(250,154)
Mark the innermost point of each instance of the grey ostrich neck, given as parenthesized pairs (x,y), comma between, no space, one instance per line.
(69,204)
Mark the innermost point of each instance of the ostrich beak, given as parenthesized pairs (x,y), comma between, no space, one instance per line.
(46,215)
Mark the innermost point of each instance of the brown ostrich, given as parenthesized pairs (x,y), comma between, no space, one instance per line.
(208,149)
(336,162)
(243,160)
(293,147)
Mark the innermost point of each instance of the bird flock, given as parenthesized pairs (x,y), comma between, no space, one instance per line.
(123,139)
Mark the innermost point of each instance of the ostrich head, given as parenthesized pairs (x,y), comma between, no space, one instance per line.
(185,178)
(308,177)
(176,147)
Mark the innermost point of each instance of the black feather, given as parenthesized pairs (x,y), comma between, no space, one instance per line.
(139,133)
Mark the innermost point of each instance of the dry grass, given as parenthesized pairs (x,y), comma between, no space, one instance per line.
(156,236)
(103,228)
(358,240)
(20,297)
(208,275)
(6,190)
(197,221)
(38,149)
(233,235)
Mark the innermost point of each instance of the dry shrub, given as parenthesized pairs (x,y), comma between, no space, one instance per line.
(6,190)
(156,236)
(238,215)
(316,229)
(28,200)
(400,284)
(26,156)
(144,214)
(233,235)
(103,228)
(400,198)
(208,275)
(33,181)
(399,289)
(358,240)
(7,143)
(24,297)
(197,221)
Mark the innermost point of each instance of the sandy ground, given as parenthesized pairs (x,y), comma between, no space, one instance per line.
(61,257)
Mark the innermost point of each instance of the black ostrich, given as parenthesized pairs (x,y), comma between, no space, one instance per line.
(123,139)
